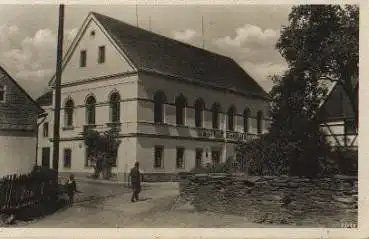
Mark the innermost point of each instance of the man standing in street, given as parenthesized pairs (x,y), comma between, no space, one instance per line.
(135,177)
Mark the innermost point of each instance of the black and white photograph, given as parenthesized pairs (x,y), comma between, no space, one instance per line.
(179,116)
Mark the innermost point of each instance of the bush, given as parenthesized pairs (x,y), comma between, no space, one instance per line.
(202,169)
(346,161)
(268,156)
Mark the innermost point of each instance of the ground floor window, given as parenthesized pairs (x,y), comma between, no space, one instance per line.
(180,158)
(67,158)
(158,157)
(198,158)
(215,157)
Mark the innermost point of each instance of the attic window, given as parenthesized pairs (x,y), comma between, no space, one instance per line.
(2,93)
(101,58)
(83,58)
(92,33)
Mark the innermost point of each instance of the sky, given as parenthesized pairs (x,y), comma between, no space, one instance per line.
(246,33)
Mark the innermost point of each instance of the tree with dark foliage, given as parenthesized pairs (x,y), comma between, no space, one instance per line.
(320,41)
(325,40)
(103,150)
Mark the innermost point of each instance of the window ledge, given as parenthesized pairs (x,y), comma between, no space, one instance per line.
(113,123)
(160,123)
(65,128)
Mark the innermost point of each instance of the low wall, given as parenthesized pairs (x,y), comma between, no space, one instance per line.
(281,200)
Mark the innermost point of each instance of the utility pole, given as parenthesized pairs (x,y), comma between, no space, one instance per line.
(59,55)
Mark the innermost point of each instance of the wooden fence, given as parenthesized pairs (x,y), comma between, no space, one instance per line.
(20,191)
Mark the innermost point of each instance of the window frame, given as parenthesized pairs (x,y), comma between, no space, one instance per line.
(159,148)
(115,104)
(181,105)
(67,152)
(3,89)
(83,58)
(200,151)
(259,122)
(45,130)
(231,113)
(215,116)
(159,102)
(68,113)
(101,57)
(180,164)
(246,120)
(91,110)
(199,113)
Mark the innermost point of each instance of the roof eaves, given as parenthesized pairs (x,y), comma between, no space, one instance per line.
(147,70)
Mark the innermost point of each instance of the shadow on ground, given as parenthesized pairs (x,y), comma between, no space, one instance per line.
(40,210)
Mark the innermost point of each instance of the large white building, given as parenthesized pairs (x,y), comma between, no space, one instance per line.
(176,106)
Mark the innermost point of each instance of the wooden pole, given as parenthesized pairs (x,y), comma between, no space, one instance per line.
(59,55)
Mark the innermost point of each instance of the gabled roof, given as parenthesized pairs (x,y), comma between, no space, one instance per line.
(45,99)
(9,77)
(329,86)
(151,52)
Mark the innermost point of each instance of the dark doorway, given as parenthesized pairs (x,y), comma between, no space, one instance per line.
(215,157)
(46,157)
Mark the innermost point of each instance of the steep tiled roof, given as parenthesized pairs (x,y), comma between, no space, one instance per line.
(151,52)
(31,100)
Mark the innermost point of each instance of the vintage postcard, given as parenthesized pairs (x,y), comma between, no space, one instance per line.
(183,119)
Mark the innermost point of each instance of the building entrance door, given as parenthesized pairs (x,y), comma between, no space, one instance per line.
(46,157)
(215,156)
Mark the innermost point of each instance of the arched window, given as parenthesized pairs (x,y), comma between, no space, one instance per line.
(230,117)
(215,109)
(91,110)
(181,104)
(199,112)
(246,117)
(159,101)
(68,113)
(114,102)
(259,122)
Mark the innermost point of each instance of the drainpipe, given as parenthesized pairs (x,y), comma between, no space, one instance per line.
(43,115)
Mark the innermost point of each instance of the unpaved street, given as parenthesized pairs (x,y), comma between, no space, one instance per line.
(156,209)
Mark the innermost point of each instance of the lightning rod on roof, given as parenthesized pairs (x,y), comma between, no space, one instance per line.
(137,13)
(202,30)
(150,23)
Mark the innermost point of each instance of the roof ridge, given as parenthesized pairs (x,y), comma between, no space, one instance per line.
(160,35)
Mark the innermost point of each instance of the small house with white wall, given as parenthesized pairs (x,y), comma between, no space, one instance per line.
(18,127)
(338,117)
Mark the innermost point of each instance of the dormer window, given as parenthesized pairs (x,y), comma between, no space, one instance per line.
(2,93)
